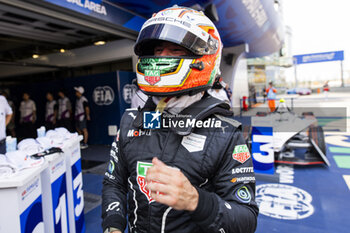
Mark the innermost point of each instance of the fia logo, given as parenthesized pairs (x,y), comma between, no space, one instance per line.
(129,91)
(151,120)
(103,95)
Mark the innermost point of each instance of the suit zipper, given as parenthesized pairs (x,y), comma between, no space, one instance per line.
(161,156)
(166,143)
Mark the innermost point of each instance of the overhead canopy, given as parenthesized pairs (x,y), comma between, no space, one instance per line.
(46,26)
(255,22)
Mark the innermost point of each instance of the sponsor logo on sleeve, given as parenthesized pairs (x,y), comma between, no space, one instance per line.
(132,115)
(228,206)
(111,166)
(245,179)
(114,152)
(240,170)
(241,153)
(110,170)
(112,206)
(118,133)
(243,194)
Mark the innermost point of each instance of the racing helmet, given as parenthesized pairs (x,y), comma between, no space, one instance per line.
(172,76)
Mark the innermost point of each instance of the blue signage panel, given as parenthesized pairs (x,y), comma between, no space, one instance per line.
(126,89)
(262,150)
(32,218)
(60,204)
(103,10)
(101,90)
(319,57)
(78,197)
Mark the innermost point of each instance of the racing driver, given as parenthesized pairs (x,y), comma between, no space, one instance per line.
(190,177)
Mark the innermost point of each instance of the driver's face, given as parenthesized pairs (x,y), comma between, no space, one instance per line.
(170,49)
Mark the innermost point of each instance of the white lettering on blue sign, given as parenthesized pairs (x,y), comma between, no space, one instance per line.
(103,95)
(91,5)
(61,213)
(267,147)
(318,57)
(78,184)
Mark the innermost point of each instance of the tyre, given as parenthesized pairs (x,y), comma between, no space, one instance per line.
(316,133)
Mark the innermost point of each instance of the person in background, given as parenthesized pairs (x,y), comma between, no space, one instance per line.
(50,112)
(27,120)
(326,90)
(5,118)
(271,97)
(82,115)
(11,126)
(179,179)
(64,111)
(218,90)
(264,94)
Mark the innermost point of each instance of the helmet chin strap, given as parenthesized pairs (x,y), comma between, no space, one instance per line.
(162,104)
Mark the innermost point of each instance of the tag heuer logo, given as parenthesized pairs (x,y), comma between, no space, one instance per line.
(241,153)
(141,181)
(152,76)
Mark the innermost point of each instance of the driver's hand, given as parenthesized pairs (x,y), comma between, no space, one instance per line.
(171,187)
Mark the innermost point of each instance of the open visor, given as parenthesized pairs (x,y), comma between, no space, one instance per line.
(148,37)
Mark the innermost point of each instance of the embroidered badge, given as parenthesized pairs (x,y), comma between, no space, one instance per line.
(241,153)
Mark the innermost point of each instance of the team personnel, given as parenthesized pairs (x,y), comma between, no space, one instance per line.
(189,179)
(271,97)
(11,126)
(219,90)
(50,112)
(64,111)
(27,116)
(82,115)
(5,118)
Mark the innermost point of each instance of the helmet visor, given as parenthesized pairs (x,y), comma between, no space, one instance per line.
(167,32)
(163,71)
(163,64)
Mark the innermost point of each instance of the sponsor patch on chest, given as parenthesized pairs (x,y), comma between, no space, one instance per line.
(141,169)
(194,142)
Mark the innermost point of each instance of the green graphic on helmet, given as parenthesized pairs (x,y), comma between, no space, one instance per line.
(164,65)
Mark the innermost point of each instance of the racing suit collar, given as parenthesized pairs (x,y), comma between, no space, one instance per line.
(176,104)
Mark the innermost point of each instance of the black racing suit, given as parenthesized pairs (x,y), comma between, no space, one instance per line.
(216,162)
